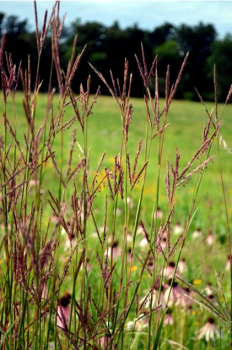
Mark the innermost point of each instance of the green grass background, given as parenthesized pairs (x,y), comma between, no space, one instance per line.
(104,134)
(185,133)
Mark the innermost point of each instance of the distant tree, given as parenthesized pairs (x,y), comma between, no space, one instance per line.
(221,57)
(198,42)
(108,46)
(89,32)
(168,54)
(16,45)
(21,43)
(92,34)
(161,34)
(2,16)
(167,51)
(121,44)
(14,26)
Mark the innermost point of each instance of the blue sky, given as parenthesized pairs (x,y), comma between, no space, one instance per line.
(147,14)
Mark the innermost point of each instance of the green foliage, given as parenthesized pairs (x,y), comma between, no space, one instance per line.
(111,222)
(197,40)
(109,45)
(167,51)
(168,54)
(221,51)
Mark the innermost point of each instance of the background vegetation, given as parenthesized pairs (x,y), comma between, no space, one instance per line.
(115,211)
(170,42)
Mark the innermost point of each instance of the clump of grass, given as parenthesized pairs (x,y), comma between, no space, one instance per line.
(129,291)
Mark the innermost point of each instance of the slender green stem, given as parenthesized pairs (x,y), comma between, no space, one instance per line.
(227,227)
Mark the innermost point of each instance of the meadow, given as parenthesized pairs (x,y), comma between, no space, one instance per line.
(115,214)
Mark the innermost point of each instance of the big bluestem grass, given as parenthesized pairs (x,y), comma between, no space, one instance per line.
(48,251)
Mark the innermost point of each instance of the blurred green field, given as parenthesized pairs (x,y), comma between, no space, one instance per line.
(184,132)
(187,120)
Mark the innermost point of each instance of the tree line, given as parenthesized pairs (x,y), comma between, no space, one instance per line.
(107,47)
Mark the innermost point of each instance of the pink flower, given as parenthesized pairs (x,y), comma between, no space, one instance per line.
(159,214)
(63,313)
(105,341)
(209,331)
(182,266)
(170,269)
(150,264)
(212,299)
(197,233)
(155,297)
(130,202)
(71,242)
(178,229)
(228,263)
(208,289)
(140,230)
(163,243)
(115,249)
(129,237)
(178,295)
(143,242)
(168,319)
(210,238)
